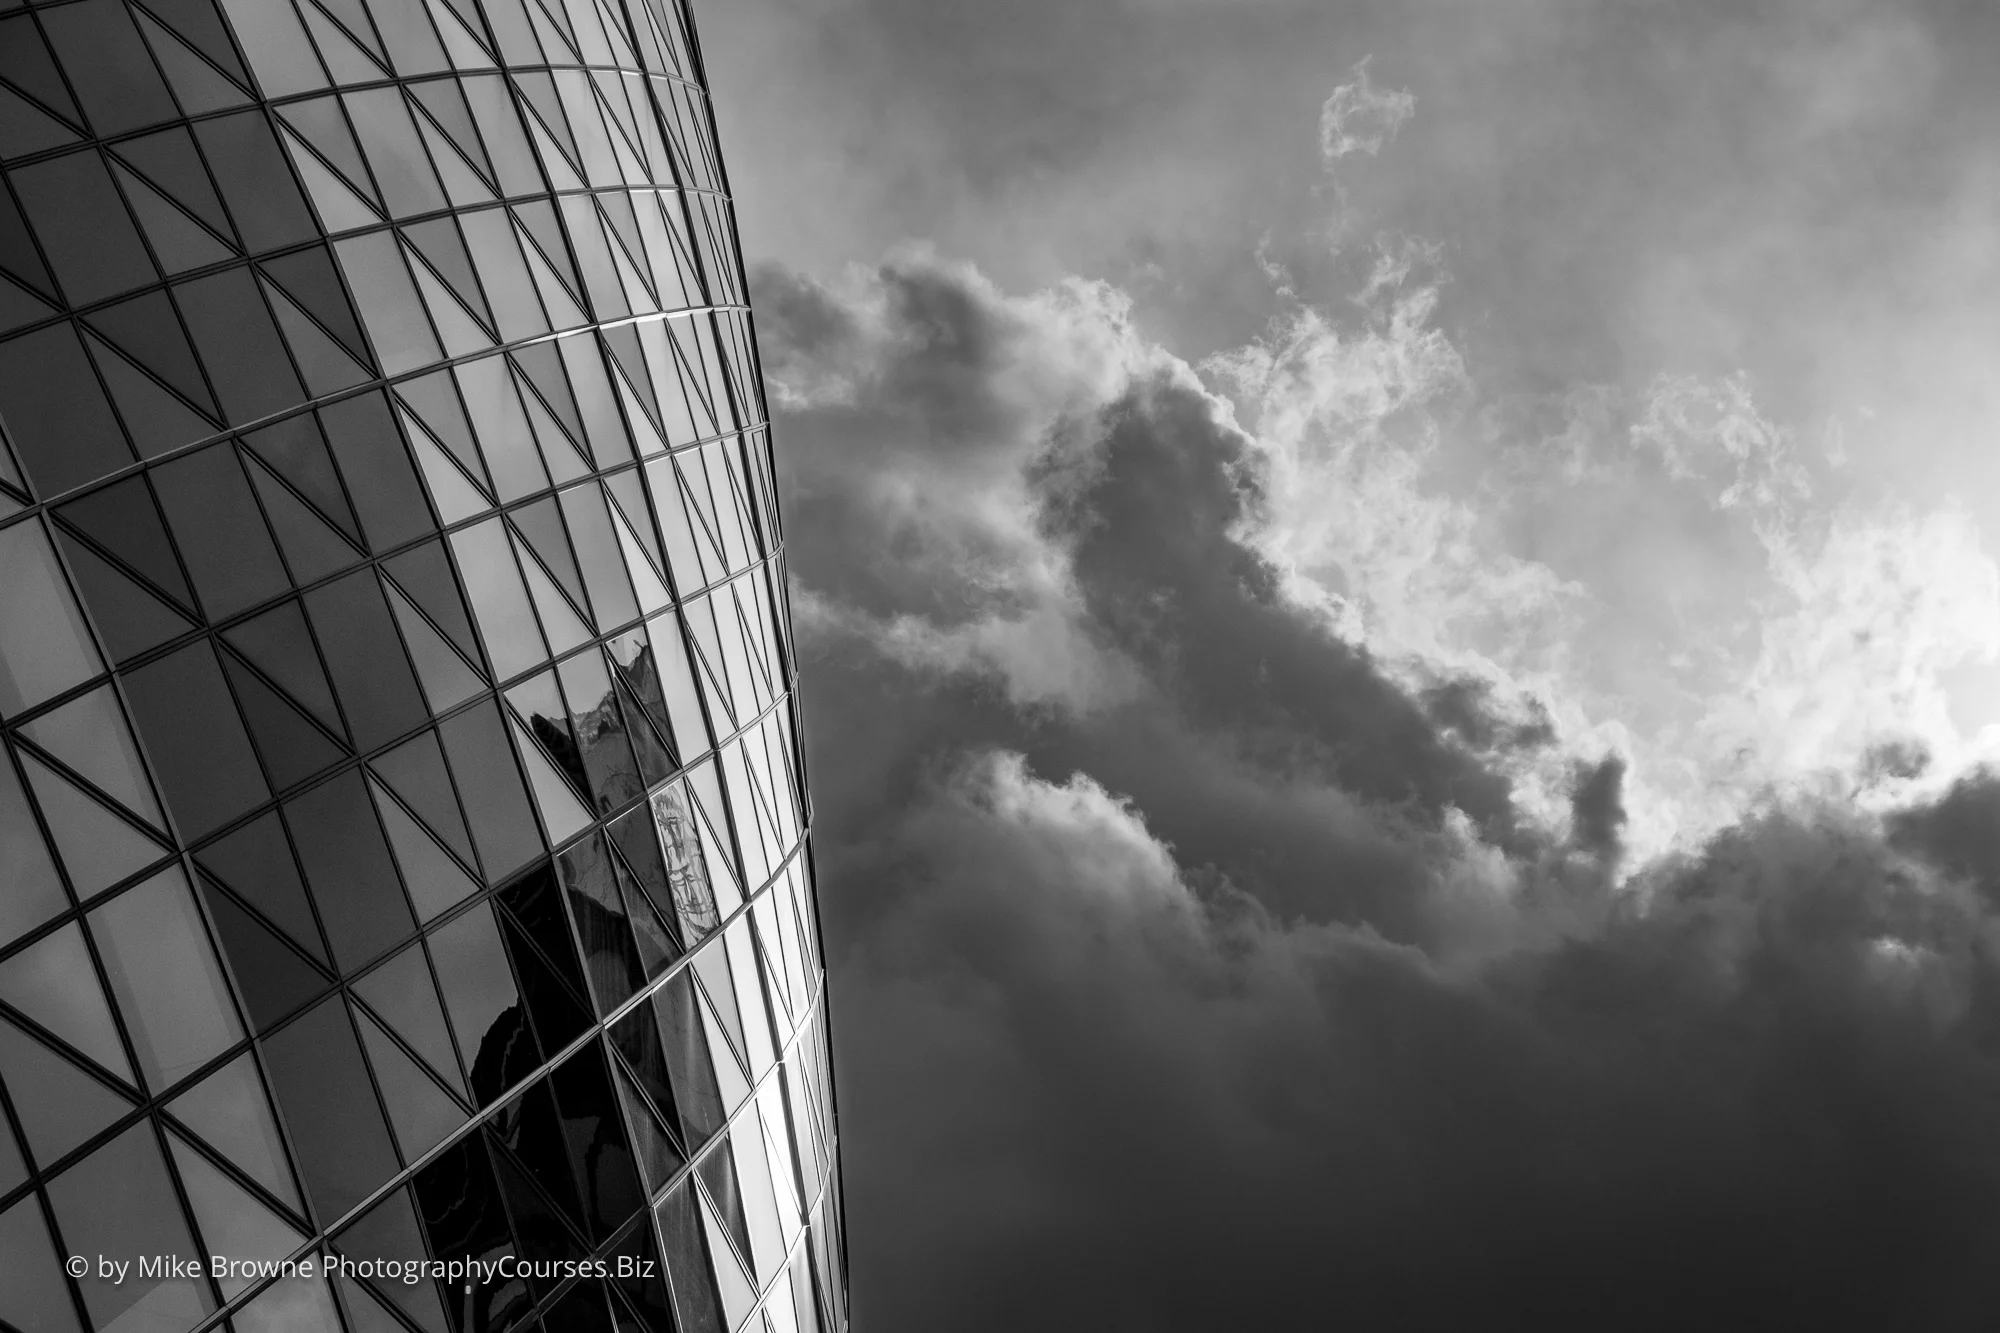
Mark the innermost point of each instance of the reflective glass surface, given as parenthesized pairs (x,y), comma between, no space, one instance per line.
(403,832)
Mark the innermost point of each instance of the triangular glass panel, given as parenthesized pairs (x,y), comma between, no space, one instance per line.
(613,102)
(230,1113)
(673,682)
(295,450)
(231,1219)
(324,363)
(638,292)
(352,16)
(18,255)
(444,105)
(557,299)
(424,573)
(461,333)
(541,525)
(564,814)
(622,54)
(169,160)
(340,208)
(452,491)
(274,980)
(738,1292)
(538,703)
(683,551)
(91,736)
(196,84)
(542,365)
(415,772)
(560,1016)
(446,678)
(504,438)
(433,401)
(707,526)
(645,431)
(293,749)
(197,22)
(124,520)
(731,1085)
(623,342)
(312,547)
(18,306)
(546,119)
(25,128)
(255,861)
(556,41)
(560,621)
(466,50)
(612,962)
(181,243)
(309,278)
(628,494)
(146,329)
(656,760)
(345,60)
(711,967)
(560,455)
(34,893)
(658,1156)
(419,1110)
(535,904)
(159,422)
(652,593)
(402,994)
(98,848)
(440,245)
(676,421)
(708,651)
(279,644)
(59,1105)
(712,816)
(26,63)
(463,185)
(436,882)
(319,123)
(53,982)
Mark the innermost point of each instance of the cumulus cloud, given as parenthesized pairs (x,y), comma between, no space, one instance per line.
(1248,893)
(1358,117)
(943,415)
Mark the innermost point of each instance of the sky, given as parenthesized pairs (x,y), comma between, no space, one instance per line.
(1398,631)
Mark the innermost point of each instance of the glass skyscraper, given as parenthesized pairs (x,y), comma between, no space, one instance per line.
(402,820)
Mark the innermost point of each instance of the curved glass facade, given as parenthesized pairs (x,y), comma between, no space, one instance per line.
(403,853)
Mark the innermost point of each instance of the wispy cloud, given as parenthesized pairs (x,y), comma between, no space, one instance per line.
(1358,117)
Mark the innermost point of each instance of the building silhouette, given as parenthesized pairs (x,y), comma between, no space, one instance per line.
(402,815)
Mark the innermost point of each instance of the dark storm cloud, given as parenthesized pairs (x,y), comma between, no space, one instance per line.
(1257,743)
(1597,806)
(1103,1100)
(1220,983)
